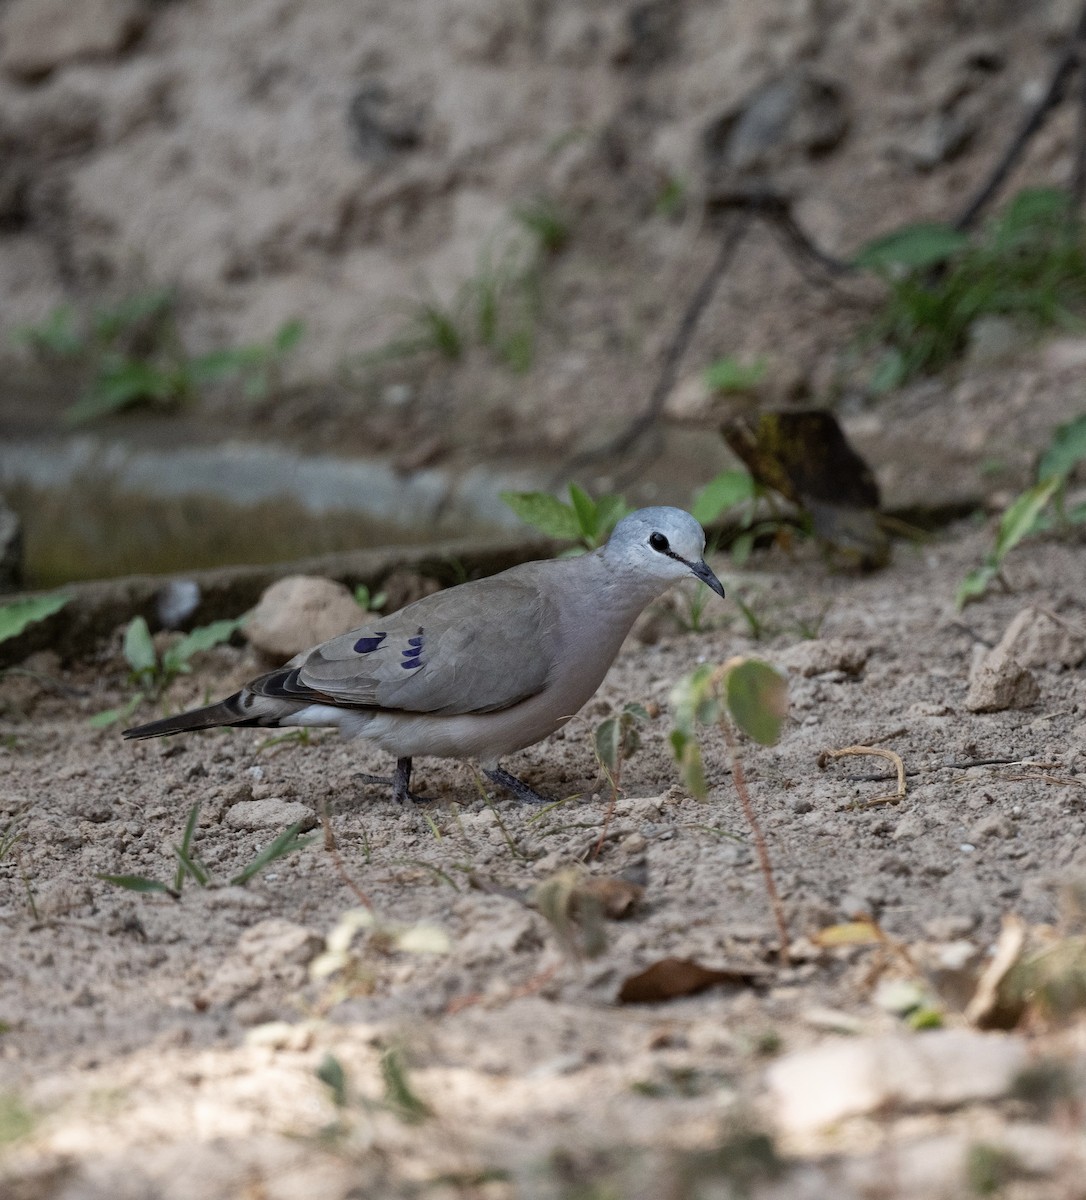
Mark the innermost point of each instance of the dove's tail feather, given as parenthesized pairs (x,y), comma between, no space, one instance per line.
(226,712)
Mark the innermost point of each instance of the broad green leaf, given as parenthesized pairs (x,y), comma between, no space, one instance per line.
(727,490)
(693,701)
(617,739)
(1066,451)
(974,585)
(730,375)
(198,640)
(915,247)
(757,698)
(18,614)
(139,649)
(609,511)
(136,883)
(286,843)
(546,513)
(1021,518)
(585,509)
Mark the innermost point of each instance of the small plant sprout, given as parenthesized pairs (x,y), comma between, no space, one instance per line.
(1027,264)
(151,674)
(585,520)
(728,374)
(190,867)
(754,696)
(370,602)
(1040,507)
(617,739)
(132,354)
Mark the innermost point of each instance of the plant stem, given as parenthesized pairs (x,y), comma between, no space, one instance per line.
(759,839)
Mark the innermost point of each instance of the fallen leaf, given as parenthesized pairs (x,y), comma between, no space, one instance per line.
(673,977)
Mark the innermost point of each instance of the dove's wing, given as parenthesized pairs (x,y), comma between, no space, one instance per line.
(477,648)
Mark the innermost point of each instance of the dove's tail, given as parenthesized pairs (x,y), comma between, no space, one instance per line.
(226,712)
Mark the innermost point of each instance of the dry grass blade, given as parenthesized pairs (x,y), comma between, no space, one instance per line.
(877,752)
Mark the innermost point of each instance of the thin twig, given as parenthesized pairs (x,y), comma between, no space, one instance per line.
(878,752)
(775,209)
(760,847)
(677,347)
(1069,59)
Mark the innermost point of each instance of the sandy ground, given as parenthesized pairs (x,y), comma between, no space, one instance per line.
(158,1048)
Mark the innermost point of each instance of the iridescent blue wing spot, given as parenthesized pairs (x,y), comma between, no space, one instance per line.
(367,645)
(412,656)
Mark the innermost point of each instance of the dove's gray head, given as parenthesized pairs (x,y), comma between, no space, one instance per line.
(665,543)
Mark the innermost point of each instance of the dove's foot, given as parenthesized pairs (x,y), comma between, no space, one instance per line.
(400,782)
(517,786)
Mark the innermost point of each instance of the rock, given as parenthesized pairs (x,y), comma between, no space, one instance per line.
(37,36)
(273,813)
(298,612)
(809,658)
(11,549)
(797,113)
(275,943)
(994,825)
(1001,682)
(996,340)
(176,602)
(940,1069)
(910,826)
(1037,638)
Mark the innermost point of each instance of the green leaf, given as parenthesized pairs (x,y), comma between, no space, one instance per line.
(757,698)
(729,375)
(18,614)
(136,883)
(331,1073)
(139,649)
(400,1097)
(687,754)
(545,513)
(974,585)
(727,490)
(198,640)
(111,716)
(1066,451)
(609,511)
(286,843)
(586,512)
(915,247)
(1021,518)
(617,739)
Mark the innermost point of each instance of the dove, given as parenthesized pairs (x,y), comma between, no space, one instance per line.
(480,670)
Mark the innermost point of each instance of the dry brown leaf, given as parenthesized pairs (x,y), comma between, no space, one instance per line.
(670,978)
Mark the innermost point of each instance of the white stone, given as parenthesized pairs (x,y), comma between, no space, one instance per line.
(272,813)
(939,1069)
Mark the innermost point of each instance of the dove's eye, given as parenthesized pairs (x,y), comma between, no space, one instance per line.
(658,542)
